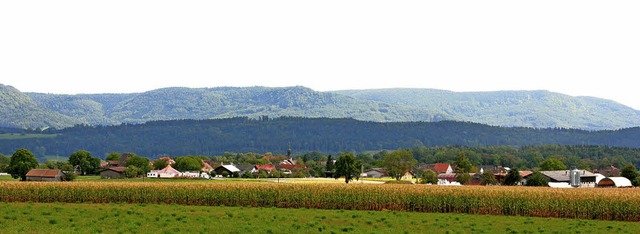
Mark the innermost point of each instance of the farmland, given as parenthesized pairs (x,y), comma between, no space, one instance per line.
(155,218)
(602,204)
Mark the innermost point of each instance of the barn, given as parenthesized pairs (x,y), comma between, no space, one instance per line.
(45,175)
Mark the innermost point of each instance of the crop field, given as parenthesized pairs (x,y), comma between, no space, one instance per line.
(602,204)
(156,218)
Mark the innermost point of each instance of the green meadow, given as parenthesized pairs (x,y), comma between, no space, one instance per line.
(155,218)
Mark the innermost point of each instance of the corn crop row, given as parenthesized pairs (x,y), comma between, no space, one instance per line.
(604,204)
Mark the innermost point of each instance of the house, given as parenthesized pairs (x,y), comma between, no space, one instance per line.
(587,179)
(288,168)
(206,167)
(113,173)
(230,170)
(609,171)
(121,162)
(45,175)
(266,167)
(440,168)
(168,160)
(375,173)
(615,182)
(408,176)
(443,168)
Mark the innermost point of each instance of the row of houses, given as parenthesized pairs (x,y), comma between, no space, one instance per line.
(557,178)
(115,169)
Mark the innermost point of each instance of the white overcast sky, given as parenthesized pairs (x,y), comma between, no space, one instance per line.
(580,48)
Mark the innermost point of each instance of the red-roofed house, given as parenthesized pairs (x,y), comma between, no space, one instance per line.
(443,168)
(288,168)
(206,167)
(266,167)
(45,175)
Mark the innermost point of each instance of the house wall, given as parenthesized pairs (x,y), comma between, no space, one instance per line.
(374,174)
(109,174)
(50,179)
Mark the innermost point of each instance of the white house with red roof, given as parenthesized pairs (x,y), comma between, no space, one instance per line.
(443,168)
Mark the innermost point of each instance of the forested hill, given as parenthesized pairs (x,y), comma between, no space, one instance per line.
(214,137)
(538,109)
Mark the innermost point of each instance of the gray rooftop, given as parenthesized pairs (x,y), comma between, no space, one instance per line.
(563,175)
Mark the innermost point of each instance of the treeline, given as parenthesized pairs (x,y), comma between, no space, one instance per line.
(524,157)
(330,136)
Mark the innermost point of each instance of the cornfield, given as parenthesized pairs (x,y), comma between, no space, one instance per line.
(603,204)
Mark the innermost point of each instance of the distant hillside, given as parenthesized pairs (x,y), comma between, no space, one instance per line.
(539,109)
(17,110)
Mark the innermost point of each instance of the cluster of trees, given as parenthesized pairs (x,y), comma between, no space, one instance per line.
(22,161)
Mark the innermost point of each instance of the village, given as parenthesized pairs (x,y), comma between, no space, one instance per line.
(287,167)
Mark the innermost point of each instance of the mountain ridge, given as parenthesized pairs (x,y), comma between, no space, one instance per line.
(537,109)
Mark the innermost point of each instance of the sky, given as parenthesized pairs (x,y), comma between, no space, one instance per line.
(579,48)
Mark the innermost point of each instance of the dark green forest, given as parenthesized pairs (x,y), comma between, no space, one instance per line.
(329,136)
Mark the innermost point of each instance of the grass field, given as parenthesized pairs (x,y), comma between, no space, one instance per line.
(154,218)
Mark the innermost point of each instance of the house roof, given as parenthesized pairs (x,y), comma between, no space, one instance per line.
(206,167)
(379,170)
(230,168)
(168,170)
(563,175)
(116,169)
(615,182)
(523,173)
(441,167)
(292,166)
(50,173)
(267,167)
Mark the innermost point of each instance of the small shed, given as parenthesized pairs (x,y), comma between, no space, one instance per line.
(45,175)
(113,173)
(615,182)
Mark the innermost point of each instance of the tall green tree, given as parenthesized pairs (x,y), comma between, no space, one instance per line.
(188,163)
(463,165)
(463,178)
(160,164)
(630,172)
(513,177)
(22,161)
(429,177)
(141,164)
(488,178)
(88,164)
(399,162)
(552,164)
(347,166)
(537,179)
(329,167)
(4,163)
(113,156)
